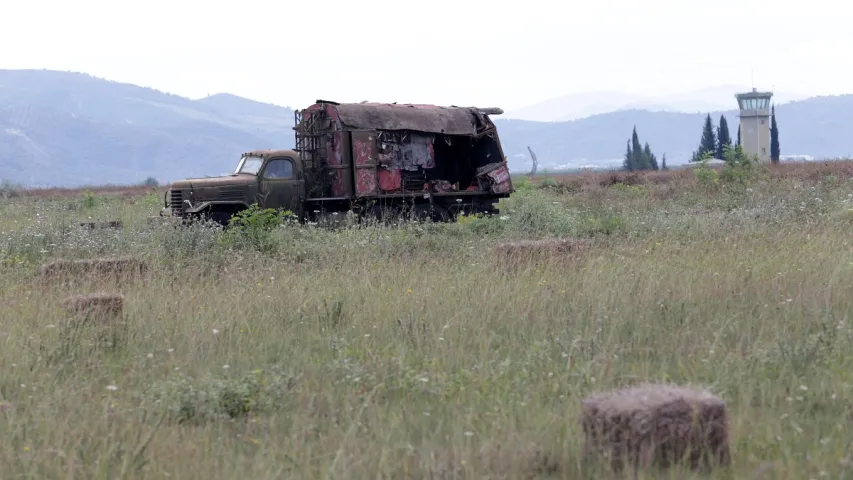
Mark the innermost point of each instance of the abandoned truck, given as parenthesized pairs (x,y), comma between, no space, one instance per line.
(424,161)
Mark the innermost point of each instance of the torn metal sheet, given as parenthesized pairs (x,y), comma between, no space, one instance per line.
(420,118)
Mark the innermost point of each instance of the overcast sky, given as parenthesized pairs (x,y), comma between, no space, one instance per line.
(446,52)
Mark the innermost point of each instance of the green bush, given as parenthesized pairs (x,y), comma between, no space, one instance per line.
(253,228)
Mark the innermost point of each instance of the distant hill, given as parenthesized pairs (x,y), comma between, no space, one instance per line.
(582,105)
(59,128)
(71,129)
(816,126)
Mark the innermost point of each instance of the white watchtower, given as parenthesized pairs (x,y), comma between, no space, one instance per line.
(755,123)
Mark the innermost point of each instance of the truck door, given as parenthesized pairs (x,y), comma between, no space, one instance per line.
(279,186)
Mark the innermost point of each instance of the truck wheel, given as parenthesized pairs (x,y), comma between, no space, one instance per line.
(434,213)
(221,218)
(384,214)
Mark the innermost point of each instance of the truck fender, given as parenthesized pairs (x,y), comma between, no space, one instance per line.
(205,205)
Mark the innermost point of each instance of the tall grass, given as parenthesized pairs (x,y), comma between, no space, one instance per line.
(416,352)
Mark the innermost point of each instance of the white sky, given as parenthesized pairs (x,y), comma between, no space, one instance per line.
(446,52)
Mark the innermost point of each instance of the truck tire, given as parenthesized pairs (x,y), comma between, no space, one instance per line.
(220,217)
(434,213)
(384,214)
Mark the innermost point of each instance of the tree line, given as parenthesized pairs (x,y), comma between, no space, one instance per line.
(713,141)
(639,157)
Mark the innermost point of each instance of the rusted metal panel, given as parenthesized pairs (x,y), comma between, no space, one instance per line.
(500,179)
(390,180)
(339,164)
(406,151)
(364,157)
(421,118)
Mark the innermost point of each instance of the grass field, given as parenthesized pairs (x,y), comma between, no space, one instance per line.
(420,352)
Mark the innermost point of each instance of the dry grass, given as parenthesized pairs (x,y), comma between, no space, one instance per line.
(124,191)
(796,171)
(405,353)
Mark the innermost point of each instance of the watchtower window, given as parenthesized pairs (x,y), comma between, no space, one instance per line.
(754,103)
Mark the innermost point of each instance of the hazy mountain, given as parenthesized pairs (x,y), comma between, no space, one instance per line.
(577,106)
(60,128)
(70,128)
(817,126)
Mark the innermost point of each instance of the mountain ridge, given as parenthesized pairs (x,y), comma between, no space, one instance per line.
(73,129)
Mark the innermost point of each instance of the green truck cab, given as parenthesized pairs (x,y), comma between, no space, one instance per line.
(368,158)
(269,178)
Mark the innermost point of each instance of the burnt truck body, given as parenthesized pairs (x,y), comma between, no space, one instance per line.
(371,158)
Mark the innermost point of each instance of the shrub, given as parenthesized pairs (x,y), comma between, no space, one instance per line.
(253,228)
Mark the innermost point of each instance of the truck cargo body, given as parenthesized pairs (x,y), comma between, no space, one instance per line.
(413,153)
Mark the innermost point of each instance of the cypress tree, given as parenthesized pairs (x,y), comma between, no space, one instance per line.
(723,137)
(637,156)
(663,162)
(738,134)
(637,150)
(709,140)
(774,136)
(628,164)
(650,158)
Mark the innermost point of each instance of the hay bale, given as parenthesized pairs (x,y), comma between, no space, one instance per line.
(114,224)
(538,249)
(102,306)
(116,267)
(657,425)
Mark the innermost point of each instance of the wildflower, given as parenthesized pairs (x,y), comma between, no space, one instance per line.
(216,331)
(112,388)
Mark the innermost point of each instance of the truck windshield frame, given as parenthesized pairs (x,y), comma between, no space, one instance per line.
(249,164)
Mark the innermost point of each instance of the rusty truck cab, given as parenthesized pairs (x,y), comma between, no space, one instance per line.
(270,178)
(280,179)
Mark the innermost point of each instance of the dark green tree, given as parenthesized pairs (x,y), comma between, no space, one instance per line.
(637,149)
(628,163)
(738,135)
(649,157)
(637,156)
(663,162)
(708,143)
(774,137)
(723,137)
(709,140)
